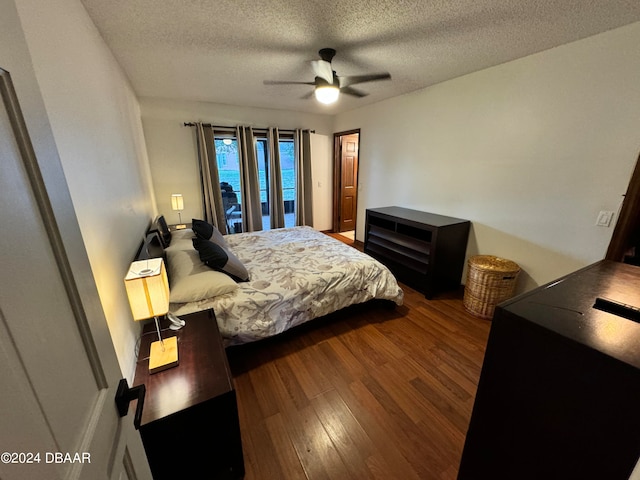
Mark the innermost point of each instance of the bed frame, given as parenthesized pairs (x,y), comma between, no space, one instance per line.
(269,304)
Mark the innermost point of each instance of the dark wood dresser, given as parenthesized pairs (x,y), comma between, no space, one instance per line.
(559,392)
(189,424)
(424,250)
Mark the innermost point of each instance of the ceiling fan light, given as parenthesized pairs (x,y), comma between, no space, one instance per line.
(327,94)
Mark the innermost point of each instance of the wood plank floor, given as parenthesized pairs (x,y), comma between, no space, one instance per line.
(371,392)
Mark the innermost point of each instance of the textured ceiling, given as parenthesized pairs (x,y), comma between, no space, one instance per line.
(221,51)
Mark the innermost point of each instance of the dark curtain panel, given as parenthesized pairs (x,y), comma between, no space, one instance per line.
(250,183)
(276,201)
(210,182)
(304,198)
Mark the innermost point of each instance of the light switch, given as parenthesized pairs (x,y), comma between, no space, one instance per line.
(604,218)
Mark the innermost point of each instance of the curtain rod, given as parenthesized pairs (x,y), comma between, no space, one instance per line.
(191,124)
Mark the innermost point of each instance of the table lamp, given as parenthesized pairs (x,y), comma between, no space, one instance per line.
(148,291)
(177,203)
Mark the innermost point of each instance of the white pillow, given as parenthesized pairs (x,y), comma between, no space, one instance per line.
(181,234)
(190,280)
(181,243)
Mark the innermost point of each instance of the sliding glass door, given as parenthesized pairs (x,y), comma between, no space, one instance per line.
(263,175)
(229,173)
(287,167)
(228,160)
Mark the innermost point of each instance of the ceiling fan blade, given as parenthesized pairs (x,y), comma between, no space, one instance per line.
(353,92)
(355,79)
(278,82)
(308,95)
(323,70)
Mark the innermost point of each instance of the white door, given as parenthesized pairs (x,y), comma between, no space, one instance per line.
(58,369)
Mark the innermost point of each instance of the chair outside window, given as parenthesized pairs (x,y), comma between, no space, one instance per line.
(232,210)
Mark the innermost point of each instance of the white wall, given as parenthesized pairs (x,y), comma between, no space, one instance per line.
(172,149)
(530,151)
(322,175)
(95,120)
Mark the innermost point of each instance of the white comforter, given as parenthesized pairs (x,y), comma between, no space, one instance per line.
(296,274)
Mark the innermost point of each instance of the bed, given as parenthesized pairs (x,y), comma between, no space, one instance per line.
(294,275)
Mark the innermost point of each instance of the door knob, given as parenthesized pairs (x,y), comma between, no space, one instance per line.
(124,395)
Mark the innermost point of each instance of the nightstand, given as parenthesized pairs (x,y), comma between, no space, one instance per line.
(189,425)
(179,226)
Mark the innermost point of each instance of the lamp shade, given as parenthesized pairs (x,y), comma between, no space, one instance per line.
(327,94)
(147,288)
(177,203)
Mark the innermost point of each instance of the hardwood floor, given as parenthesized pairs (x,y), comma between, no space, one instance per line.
(371,392)
(348,240)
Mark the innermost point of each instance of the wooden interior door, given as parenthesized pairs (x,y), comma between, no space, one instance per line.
(347,174)
(58,368)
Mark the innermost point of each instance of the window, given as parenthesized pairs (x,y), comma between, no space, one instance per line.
(263,177)
(287,166)
(228,160)
(229,174)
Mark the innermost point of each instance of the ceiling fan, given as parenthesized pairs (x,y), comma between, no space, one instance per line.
(328,85)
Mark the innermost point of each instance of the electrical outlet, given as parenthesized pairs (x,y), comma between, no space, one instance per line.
(604,218)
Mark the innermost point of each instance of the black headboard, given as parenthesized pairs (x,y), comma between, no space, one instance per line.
(151,247)
(160,226)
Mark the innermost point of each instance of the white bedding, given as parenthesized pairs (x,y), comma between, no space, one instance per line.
(296,274)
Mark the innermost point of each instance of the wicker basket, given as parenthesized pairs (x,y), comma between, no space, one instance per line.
(490,280)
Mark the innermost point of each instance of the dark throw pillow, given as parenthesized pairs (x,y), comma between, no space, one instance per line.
(218,258)
(207,231)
